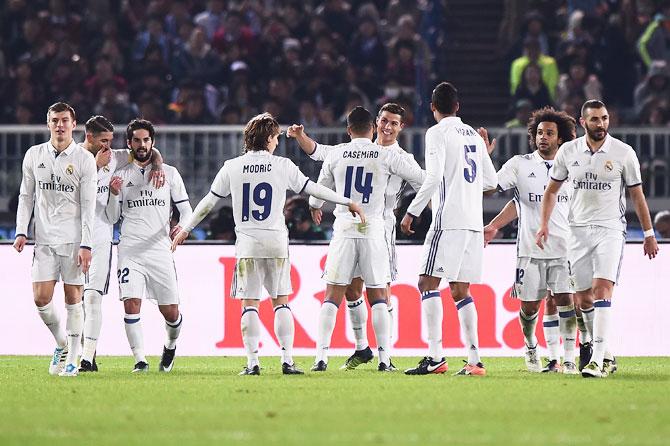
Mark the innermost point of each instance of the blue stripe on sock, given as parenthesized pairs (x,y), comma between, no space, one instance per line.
(246,310)
(331,302)
(130,321)
(566,314)
(382,301)
(279,307)
(177,323)
(587,311)
(428,294)
(602,304)
(550,324)
(355,304)
(464,302)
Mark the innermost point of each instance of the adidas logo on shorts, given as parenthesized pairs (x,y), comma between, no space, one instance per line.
(440,270)
(532,175)
(576,163)
(41,166)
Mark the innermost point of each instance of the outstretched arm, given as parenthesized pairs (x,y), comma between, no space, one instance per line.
(548,204)
(642,211)
(504,217)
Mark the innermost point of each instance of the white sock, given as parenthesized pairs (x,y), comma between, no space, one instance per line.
(50,318)
(431,307)
(285,330)
(92,323)
(327,317)
(358,315)
(380,322)
(251,333)
(528,324)
(588,315)
(583,333)
(467,316)
(172,330)
(601,325)
(567,322)
(135,337)
(74,326)
(392,329)
(552,335)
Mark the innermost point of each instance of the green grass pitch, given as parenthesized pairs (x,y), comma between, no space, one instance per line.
(203,401)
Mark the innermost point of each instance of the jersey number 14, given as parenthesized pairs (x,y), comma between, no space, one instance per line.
(362,184)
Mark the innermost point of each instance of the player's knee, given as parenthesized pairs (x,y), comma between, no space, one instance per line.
(132,306)
(530,308)
(170,312)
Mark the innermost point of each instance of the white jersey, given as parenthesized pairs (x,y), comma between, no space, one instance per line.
(528,175)
(361,170)
(145,210)
(257,182)
(61,188)
(395,185)
(598,181)
(458,170)
(103,229)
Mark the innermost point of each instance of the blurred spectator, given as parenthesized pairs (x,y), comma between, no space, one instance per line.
(152,36)
(654,87)
(235,32)
(533,88)
(336,13)
(421,223)
(533,28)
(197,60)
(299,220)
(114,104)
(231,115)
(211,18)
(578,82)
(547,65)
(222,227)
(367,52)
(522,111)
(662,224)
(104,74)
(194,111)
(654,41)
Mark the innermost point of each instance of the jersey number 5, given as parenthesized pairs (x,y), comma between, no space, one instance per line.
(363,187)
(470,173)
(262,196)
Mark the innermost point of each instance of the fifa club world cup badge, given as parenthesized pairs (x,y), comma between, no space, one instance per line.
(70,169)
(609,166)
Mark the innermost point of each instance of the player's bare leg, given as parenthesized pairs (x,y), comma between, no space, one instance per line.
(173,319)
(285,331)
(327,316)
(133,327)
(43,295)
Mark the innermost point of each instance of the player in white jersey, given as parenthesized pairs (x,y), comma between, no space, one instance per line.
(389,123)
(59,185)
(540,273)
(146,268)
(599,168)
(363,169)
(257,181)
(99,135)
(458,169)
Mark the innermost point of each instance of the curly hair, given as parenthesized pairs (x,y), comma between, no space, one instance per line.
(566,124)
(258,130)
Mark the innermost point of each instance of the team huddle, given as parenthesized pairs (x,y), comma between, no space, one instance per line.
(570,203)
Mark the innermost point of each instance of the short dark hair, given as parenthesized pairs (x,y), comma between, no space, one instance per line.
(592,103)
(565,124)
(258,130)
(61,107)
(98,124)
(359,120)
(140,124)
(445,98)
(394,108)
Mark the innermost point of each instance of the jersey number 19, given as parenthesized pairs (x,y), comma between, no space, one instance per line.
(262,197)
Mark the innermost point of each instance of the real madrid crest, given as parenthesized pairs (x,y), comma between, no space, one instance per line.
(609,166)
(70,169)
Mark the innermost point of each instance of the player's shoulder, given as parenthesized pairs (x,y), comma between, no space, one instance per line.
(621,147)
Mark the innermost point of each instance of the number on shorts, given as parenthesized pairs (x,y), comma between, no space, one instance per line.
(363,187)
(519,276)
(122,274)
(470,173)
(262,196)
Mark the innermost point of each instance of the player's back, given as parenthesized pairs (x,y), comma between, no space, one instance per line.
(257,182)
(468,169)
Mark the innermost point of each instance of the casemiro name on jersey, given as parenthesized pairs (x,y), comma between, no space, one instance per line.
(361,155)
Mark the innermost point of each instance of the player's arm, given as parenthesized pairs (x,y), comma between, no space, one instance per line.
(490,182)
(642,212)
(26,202)
(406,168)
(180,200)
(157,174)
(504,217)
(113,208)
(435,157)
(87,195)
(325,179)
(490,145)
(548,203)
(311,148)
(324,193)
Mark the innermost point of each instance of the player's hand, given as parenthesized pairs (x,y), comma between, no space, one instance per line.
(174,231)
(541,236)
(179,238)
(316,215)
(490,146)
(295,131)
(490,232)
(406,224)
(103,157)
(157,176)
(19,243)
(115,185)
(356,209)
(650,247)
(84,259)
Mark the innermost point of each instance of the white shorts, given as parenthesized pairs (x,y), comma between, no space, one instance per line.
(453,254)
(389,232)
(148,276)
(595,252)
(252,275)
(98,274)
(358,257)
(55,262)
(534,277)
